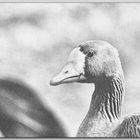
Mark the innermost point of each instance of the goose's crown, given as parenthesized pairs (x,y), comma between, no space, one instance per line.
(90,62)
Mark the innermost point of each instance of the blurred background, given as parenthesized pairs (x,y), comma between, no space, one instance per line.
(36,39)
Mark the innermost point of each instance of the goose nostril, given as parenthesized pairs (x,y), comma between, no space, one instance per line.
(66,72)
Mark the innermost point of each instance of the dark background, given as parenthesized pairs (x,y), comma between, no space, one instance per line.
(36,39)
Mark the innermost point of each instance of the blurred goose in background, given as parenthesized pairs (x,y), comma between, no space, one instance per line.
(22,114)
(98,62)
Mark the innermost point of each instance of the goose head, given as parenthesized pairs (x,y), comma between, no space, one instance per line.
(90,62)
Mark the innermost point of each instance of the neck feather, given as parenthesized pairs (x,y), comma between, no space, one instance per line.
(107,99)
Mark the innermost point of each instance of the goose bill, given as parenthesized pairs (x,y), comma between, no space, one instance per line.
(67,75)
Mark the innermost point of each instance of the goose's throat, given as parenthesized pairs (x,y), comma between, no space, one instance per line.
(107,99)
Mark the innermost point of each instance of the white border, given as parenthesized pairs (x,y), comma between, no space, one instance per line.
(66,1)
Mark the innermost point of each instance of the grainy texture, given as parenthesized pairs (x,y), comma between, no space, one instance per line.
(36,38)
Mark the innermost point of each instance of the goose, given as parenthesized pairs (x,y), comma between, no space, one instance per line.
(98,62)
(22,113)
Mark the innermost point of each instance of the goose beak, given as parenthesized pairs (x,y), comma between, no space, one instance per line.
(67,75)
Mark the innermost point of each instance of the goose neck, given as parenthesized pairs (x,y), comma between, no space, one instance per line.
(107,99)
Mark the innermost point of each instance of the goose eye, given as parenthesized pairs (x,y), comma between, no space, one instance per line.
(81,49)
(90,54)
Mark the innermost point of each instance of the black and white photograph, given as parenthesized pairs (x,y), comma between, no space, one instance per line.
(69,70)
